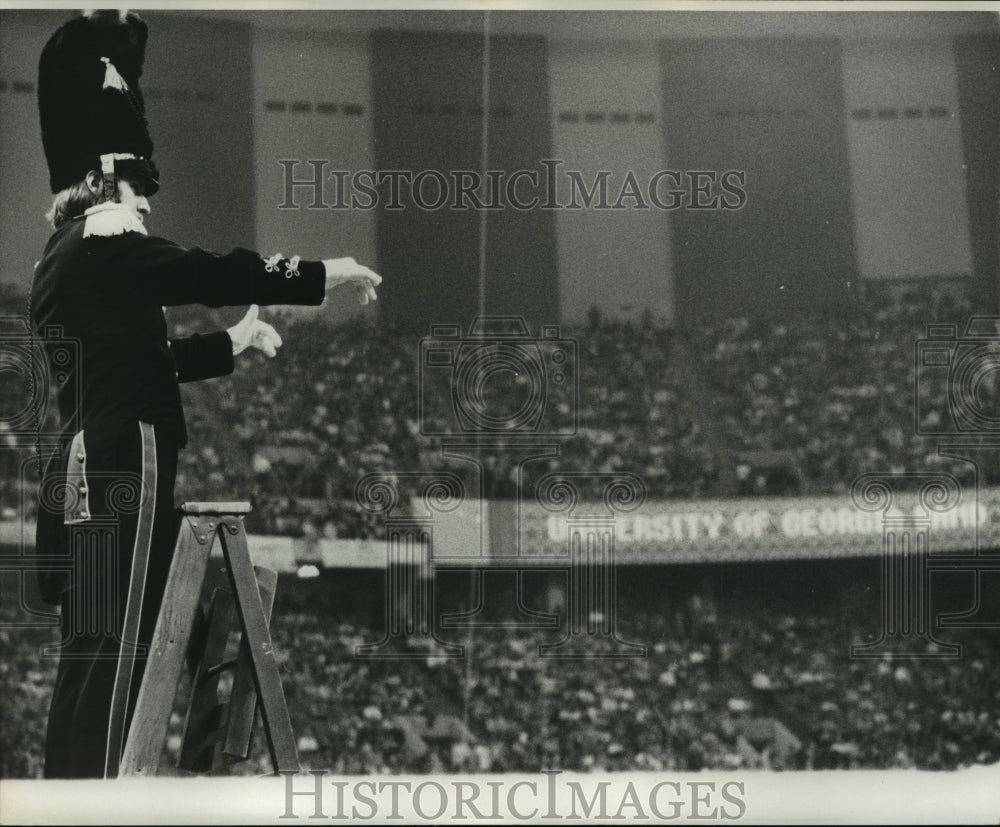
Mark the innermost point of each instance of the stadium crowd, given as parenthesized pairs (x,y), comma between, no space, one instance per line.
(833,395)
(754,691)
(837,391)
(742,690)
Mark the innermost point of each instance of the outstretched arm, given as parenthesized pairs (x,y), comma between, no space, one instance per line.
(146,269)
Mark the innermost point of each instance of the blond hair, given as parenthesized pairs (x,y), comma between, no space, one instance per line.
(71,202)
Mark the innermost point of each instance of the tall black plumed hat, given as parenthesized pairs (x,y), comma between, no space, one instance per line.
(91,107)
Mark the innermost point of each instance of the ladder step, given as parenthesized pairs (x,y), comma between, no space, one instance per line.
(217,508)
(219,668)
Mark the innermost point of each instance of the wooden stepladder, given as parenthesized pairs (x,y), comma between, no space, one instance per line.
(187,633)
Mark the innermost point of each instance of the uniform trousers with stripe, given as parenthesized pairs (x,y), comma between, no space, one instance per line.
(110,605)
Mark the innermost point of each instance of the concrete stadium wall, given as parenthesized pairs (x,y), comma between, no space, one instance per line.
(311,101)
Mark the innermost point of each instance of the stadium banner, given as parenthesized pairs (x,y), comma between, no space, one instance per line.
(736,530)
(507,533)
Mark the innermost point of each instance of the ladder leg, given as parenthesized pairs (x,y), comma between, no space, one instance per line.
(243,706)
(167,653)
(274,711)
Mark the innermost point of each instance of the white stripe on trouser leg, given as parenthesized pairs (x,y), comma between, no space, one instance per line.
(133,606)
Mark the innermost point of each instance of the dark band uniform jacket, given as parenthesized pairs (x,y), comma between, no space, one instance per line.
(108,293)
(109,511)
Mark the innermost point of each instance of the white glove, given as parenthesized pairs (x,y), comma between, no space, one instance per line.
(348,271)
(252,332)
